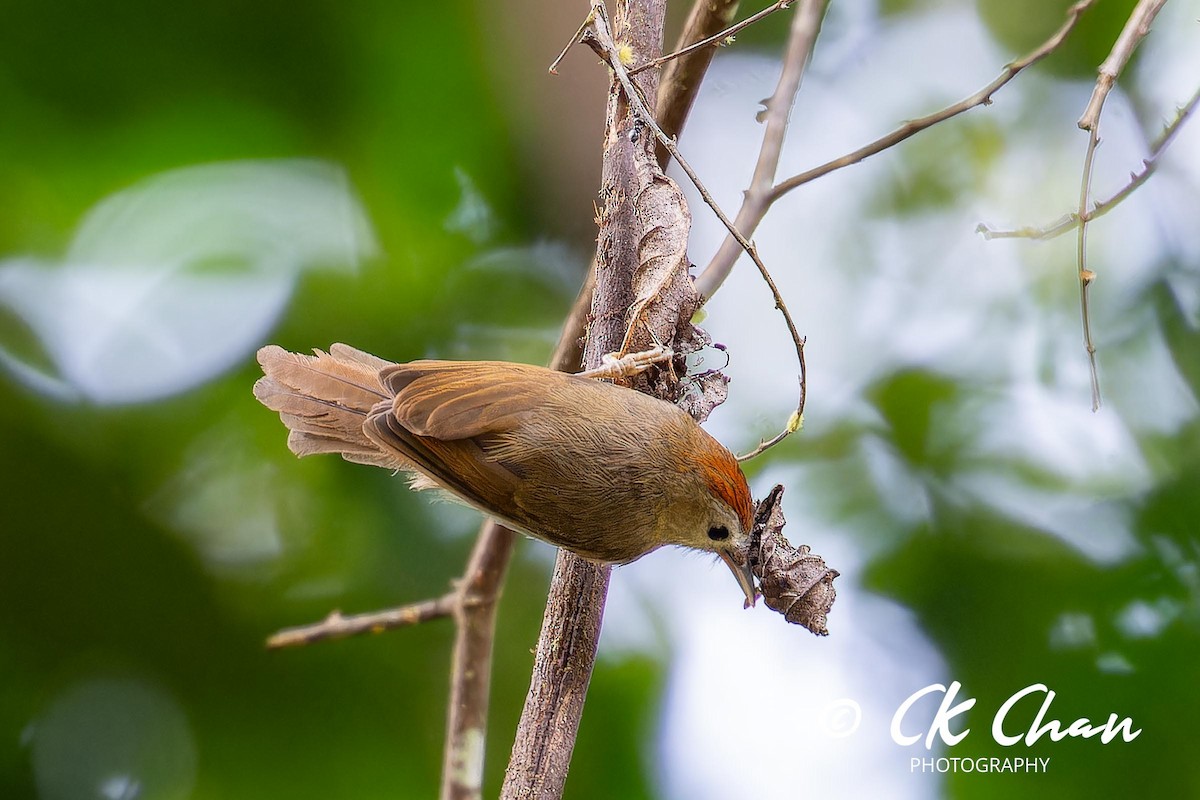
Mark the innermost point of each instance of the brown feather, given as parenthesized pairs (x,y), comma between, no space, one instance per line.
(346,353)
(324,399)
(343,382)
(459,400)
(725,479)
(458,465)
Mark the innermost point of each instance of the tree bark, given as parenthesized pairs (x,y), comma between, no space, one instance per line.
(566,649)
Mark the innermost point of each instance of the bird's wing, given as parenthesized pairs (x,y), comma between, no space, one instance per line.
(451,400)
(445,417)
(324,399)
(458,466)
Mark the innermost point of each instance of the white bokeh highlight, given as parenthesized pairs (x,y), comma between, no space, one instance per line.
(176,279)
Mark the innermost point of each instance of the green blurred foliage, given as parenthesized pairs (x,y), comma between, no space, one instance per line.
(987,589)
(1022,25)
(93,578)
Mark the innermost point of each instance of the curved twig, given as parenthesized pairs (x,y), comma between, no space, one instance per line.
(601,40)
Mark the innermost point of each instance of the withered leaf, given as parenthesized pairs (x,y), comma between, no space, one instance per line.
(794,581)
(703,393)
(664,297)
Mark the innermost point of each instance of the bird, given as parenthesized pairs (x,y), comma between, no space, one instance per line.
(602,470)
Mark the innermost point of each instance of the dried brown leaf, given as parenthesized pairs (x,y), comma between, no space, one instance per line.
(793,580)
(703,393)
(664,297)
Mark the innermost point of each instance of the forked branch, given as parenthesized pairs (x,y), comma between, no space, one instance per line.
(1136,28)
(596,34)
(1069,222)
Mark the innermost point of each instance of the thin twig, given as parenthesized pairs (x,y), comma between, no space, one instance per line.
(1070,222)
(477,598)
(717,39)
(1086,276)
(607,49)
(566,649)
(680,82)
(806,25)
(337,626)
(553,69)
(795,421)
(473,606)
(1136,28)
(801,40)
(982,97)
(685,71)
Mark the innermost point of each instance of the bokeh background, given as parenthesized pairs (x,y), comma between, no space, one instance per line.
(182,183)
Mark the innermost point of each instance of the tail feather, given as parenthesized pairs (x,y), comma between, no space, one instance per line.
(345,352)
(324,399)
(336,380)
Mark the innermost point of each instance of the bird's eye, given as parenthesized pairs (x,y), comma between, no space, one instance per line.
(718,533)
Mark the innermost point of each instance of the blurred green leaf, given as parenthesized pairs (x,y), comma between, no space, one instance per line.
(1022,25)
(912,403)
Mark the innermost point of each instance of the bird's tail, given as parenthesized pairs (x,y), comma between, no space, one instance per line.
(324,399)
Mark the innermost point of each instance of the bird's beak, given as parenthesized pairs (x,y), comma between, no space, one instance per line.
(745,577)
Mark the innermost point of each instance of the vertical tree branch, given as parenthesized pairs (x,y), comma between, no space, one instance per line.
(1135,29)
(562,670)
(566,649)
(1086,276)
(479,592)
(470,670)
